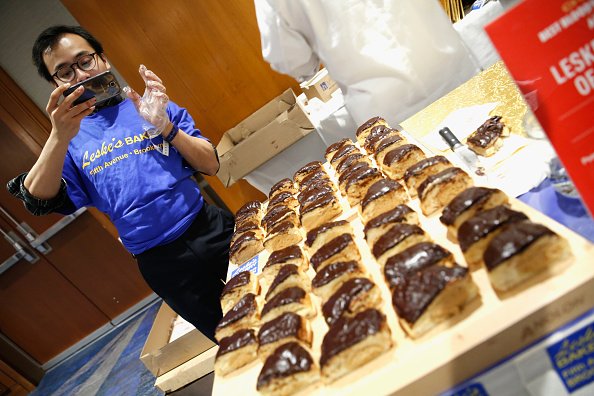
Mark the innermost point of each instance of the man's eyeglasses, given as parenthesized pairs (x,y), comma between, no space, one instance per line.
(67,73)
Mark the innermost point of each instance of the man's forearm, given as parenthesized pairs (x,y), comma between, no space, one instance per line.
(198,152)
(43,181)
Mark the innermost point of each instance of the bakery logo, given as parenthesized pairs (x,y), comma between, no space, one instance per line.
(250,265)
(573,358)
(89,157)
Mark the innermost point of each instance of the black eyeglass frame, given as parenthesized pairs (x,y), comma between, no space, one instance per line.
(71,66)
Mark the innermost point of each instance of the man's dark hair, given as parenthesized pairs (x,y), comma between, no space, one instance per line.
(50,36)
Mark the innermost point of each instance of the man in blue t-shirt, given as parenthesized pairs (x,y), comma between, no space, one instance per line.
(133,159)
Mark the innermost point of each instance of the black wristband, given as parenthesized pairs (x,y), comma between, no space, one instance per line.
(172,134)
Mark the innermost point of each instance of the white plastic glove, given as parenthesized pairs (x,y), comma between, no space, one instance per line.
(153,103)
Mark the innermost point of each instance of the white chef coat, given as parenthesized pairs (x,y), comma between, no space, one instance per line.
(390,58)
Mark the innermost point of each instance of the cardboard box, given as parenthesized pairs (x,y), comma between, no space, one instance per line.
(320,86)
(261,136)
(159,355)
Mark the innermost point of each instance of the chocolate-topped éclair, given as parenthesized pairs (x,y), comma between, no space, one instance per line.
(320,202)
(289,255)
(353,341)
(355,167)
(244,227)
(245,247)
(286,327)
(476,232)
(278,214)
(313,192)
(272,211)
(248,207)
(364,130)
(283,198)
(486,140)
(330,150)
(439,189)
(335,271)
(289,369)
(236,351)
(397,238)
(325,208)
(354,295)
(313,177)
(400,214)
(398,160)
(291,299)
(341,248)
(313,234)
(349,160)
(382,196)
(468,203)
(306,170)
(288,275)
(413,297)
(358,182)
(418,172)
(244,314)
(283,234)
(387,144)
(343,152)
(241,284)
(413,259)
(521,251)
(282,185)
(376,134)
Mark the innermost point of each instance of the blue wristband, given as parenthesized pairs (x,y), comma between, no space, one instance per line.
(172,134)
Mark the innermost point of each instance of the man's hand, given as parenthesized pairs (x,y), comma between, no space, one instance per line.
(64,116)
(152,105)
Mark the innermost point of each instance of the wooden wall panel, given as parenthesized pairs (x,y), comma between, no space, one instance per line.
(206,52)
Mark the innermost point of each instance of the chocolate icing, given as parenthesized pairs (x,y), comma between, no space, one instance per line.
(272,218)
(484,223)
(464,201)
(361,174)
(417,291)
(246,214)
(280,198)
(438,178)
(239,280)
(238,244)
(330,249)
(396,234)
(314,176)
(285,272)
(352,169)
(334,271)
(346,332)
(396,215)
(378,190)
(243,308)
(284,255)
(237,340)
(307,168)
(341,152)
(514,239)
(250,206)
(286,360)
(337,145)
(314,192)
(283,184)
(246,226)
(368,124)
(486,133)
(413,259)
(419,167)
(284,326)
(313,234)
(281,227)
(340,301)
(387,142)
(376,134)
(285,297)
(397,154)
(348,161)
(321,201)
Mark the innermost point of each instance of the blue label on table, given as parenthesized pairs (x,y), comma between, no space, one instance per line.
(475,389)
(573,358)
(250,265)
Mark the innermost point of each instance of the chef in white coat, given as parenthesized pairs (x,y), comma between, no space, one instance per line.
(390,58)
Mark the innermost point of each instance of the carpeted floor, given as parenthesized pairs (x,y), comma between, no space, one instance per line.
(108,366)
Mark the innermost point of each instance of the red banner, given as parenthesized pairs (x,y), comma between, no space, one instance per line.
(548,47)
